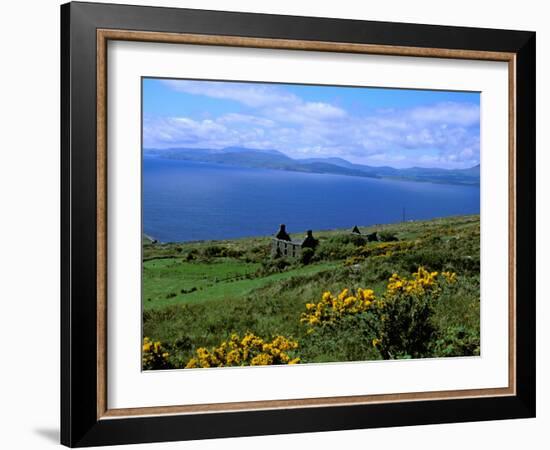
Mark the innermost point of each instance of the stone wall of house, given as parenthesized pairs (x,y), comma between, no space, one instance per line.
(285,248)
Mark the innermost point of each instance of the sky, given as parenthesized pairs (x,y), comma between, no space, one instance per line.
(373,126)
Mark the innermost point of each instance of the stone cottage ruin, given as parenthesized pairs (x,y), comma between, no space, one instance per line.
(283,245)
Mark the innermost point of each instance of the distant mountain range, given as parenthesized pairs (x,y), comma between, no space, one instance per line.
(273,159)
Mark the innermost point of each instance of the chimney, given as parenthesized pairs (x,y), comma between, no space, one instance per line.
(282,234)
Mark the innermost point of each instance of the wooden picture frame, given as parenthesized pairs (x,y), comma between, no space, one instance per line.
(86,418)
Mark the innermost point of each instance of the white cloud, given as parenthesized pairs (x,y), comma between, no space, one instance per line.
(185,132)
(320,110)
(246,119)
(448,113)
(270,100)
(254,95)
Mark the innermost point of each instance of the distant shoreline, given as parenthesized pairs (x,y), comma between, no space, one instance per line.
(363,228)
(258,159)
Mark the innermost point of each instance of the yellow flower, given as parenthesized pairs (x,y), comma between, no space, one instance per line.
(421,282)
(343,294)
(332,308)
(202,353)
(284,358)
(250,350)
(233,357)
(154,355)
(450,277)
(192,364)
(262,359)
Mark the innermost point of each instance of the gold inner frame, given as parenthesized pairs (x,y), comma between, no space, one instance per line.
(104,35)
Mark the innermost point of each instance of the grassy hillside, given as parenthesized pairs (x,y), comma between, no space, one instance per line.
(198,294)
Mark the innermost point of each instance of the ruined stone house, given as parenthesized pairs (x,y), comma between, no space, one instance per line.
(283,245)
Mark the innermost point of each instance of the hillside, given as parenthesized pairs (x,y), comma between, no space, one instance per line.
(198,294)
(272,159)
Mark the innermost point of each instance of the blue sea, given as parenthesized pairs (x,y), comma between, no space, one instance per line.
(189,201)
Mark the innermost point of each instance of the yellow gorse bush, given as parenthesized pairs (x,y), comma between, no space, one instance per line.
(377,251)
(250,350)
(153,355)
(332,308)
(353,260)
(421,282)
(405,328)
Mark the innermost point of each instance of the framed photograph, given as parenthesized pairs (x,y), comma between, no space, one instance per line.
(276,224)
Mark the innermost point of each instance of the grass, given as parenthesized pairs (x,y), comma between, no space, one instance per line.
(176,281)
(196,294)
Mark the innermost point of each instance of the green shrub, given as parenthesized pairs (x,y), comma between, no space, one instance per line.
(274,265)
(457,341)
(372,237)
(332,249)
(307,256)
(406,327)
(188,291)
(350,339)
(350,238)
(387,236)
(385,248)
(400,322)
(218,251)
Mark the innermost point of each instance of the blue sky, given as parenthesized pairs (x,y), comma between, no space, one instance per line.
(394,127)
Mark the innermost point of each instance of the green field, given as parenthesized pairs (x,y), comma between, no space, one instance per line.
(197,294)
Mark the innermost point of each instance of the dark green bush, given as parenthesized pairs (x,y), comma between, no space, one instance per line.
(348,340)
(332,249)
(457,341)
(372,237)
(387,236)
(344,239)
(274,265)
(188,291)
(406,327)
(307,256)
(218,251)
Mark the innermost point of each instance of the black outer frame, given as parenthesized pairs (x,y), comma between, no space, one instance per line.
(79,423)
